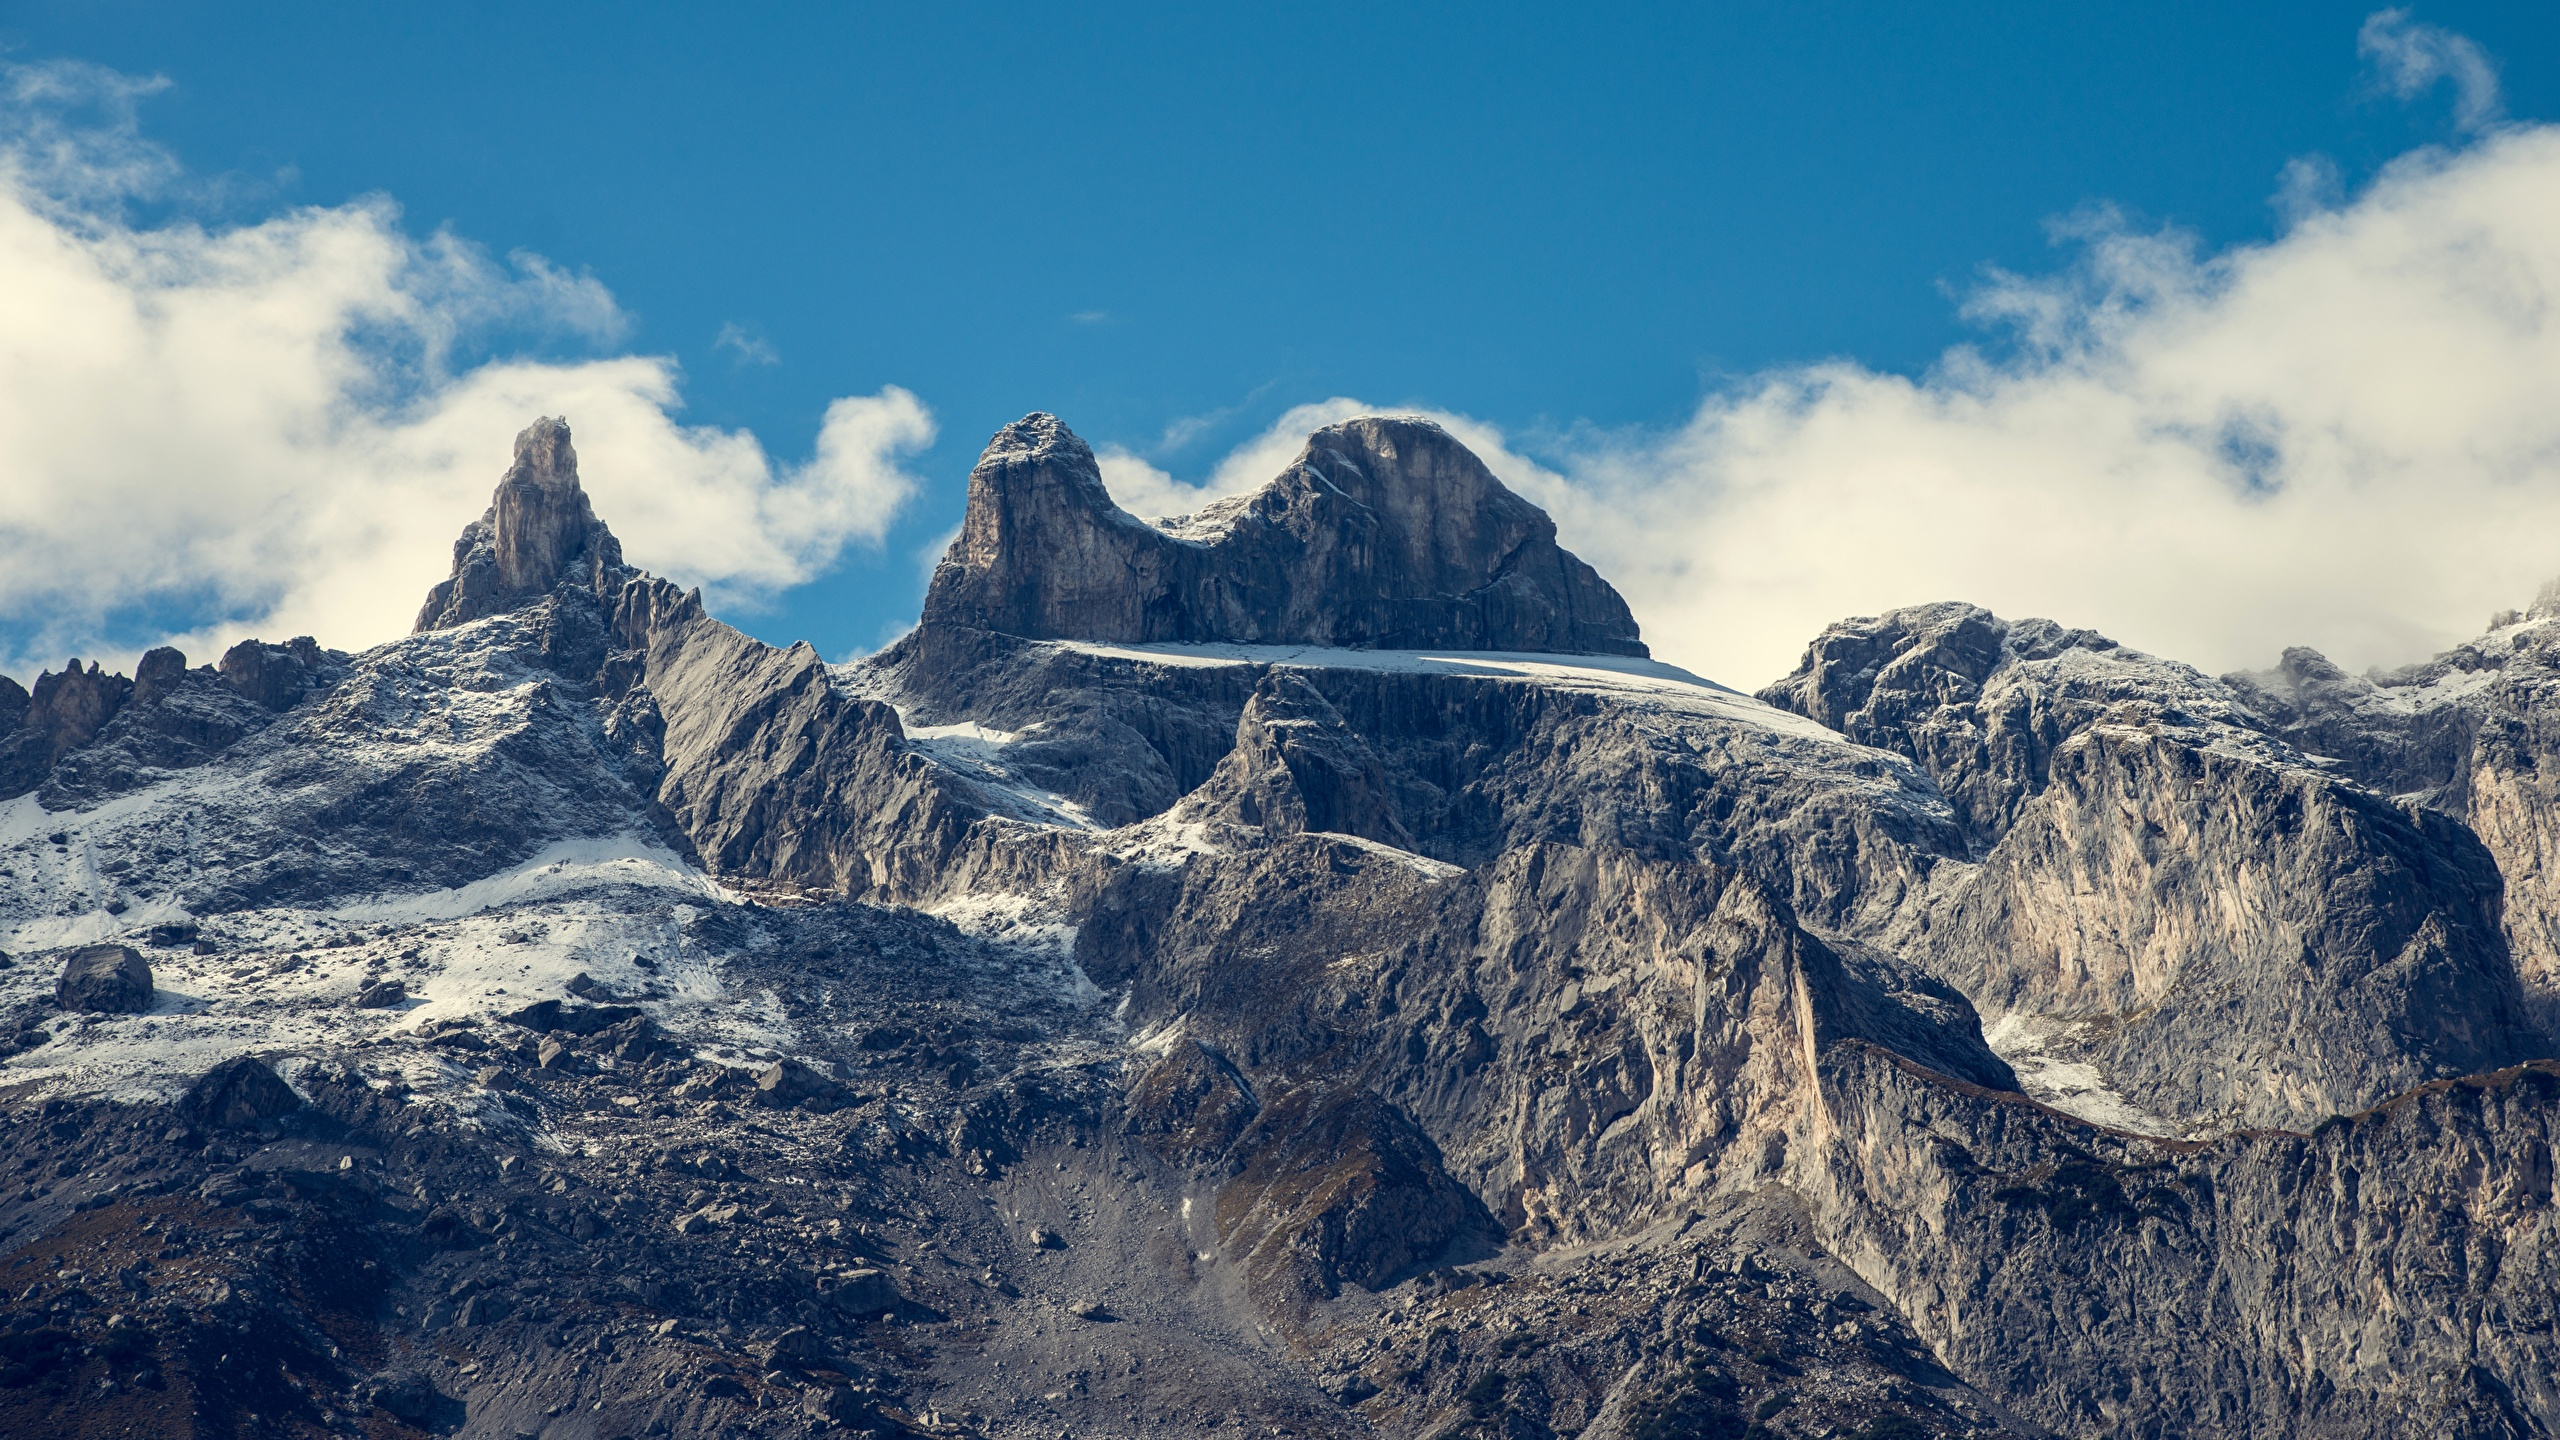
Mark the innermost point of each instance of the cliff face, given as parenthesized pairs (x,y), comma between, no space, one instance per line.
(1383,534)
(2473,734)
(1299,966)
(2168,891)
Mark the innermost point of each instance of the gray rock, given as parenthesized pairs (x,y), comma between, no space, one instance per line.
(1384,533)
(539,532)
(382,995)
(106,979)
(277,677)
(65,711)
(1298,766)
(836,1403)
(2473,734)
(864,1292)
(1341,1187)
(2224,928)
(788,1082)
(240,1093)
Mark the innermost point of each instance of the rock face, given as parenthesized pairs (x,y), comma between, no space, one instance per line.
(2473,734)
(276,677)
(105,979)
(539,531)
(2228,931)
(1416,1014)
(1384,533)
(65,711)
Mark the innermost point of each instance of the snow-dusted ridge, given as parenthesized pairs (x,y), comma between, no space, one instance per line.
(1623,677)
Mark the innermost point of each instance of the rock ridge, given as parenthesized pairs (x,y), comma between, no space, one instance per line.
(1384,533)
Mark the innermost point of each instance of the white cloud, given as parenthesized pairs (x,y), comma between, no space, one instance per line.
(263,428)
(2410,58)
(1142,489)
(2347,437)
(749,347)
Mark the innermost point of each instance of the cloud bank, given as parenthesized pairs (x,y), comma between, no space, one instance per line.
(2347,437)
(267,424)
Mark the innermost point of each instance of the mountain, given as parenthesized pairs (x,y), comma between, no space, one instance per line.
(1300,968)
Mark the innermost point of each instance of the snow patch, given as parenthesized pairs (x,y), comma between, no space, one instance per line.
(2075,1088)
(976,753)
(562,866)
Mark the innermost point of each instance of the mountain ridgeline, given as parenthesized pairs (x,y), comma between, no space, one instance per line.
(1300,967)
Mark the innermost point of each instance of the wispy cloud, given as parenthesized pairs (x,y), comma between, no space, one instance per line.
(749,347)
(262,428)
(1089,317)
(2409,57)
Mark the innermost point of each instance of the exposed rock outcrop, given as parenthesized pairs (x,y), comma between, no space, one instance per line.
(2228,931)
(539,532)
(1338,1187)
(66,710)
(241,1092)
(276,677)
(176,719)
(85,734)
(1385,533)
(2264,1285)
(1298,766)
(2473,733)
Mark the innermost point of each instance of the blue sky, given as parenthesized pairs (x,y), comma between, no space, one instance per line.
(1171,224)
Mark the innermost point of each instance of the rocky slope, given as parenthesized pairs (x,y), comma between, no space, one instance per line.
(1295,969)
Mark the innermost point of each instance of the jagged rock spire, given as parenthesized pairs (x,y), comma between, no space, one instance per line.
(538,531)
(1385,533)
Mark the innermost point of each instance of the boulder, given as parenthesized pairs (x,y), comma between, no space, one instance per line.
(838,1403)
(241,1093)
(546,1016)
(785,1083)
(382,996)
(105,979)
(863,1292)
(794,1348)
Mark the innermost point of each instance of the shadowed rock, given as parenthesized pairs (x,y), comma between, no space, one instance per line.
(1385,533)
(176,719)
(65,711)
(1341,1187)
(239,1093)
(276,677)
(106,979)
(1297,766)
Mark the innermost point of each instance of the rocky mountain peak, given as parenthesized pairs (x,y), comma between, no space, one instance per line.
(539,530)
(1384,533)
